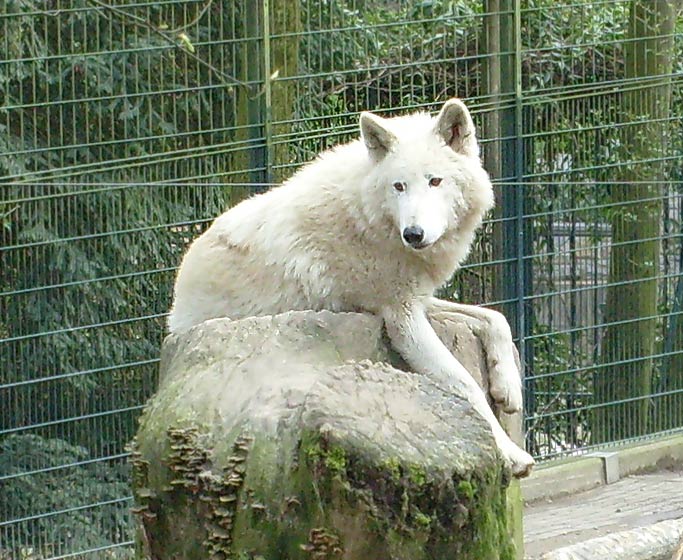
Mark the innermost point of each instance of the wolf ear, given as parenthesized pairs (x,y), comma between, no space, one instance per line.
(454,124)
(378,139)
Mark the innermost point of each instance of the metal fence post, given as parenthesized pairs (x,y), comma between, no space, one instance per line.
(267,105)
(516,241)
(255,75)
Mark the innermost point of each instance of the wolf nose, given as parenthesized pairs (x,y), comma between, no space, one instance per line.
(413,235)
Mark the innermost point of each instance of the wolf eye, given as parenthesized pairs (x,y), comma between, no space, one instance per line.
(399,186)
(435,181)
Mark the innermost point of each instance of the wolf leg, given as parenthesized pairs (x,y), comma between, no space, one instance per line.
(414,338)
(505,382)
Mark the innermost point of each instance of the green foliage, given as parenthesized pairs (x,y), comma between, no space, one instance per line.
(562,388)
(100,106)
(572,44)
(88,86)
(380,55)
(98,287)
(59,488)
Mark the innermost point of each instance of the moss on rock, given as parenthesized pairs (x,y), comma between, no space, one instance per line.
(317,460)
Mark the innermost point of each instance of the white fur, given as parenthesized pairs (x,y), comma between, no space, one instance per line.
(332,238)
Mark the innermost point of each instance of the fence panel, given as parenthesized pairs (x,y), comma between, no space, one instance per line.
(602,151)
(126,125)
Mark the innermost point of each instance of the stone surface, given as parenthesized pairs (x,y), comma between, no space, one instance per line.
(592,520)
(565,477)
(292,437)
(654,542)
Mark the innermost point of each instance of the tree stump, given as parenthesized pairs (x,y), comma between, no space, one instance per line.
(292,437)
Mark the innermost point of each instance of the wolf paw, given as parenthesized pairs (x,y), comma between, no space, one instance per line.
(506,387)
(505,384)
(519,461)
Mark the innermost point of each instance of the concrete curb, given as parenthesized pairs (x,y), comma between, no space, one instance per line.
(655,542)
(570,476)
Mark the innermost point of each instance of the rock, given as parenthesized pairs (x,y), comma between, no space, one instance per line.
(293,437)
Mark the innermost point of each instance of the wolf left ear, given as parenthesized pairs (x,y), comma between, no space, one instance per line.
(454,124)
(378,139)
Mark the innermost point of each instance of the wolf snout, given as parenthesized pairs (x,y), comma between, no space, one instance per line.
(414,236)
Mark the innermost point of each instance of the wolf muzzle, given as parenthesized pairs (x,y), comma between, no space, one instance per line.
(414,236)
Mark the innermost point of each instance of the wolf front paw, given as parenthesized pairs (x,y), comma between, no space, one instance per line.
(519,461)
(506,387)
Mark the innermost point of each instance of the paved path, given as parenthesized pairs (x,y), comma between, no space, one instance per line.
(634,501)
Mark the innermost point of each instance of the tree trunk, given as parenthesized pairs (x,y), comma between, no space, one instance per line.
(269,52)
(670,405)
(626,369)
(499,154)
(286,22)
(291,437)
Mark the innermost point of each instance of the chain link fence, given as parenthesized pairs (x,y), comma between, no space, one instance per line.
(127,125)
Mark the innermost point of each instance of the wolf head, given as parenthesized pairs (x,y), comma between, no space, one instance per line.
(428,172)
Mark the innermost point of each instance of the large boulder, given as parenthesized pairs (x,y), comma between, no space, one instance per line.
(292,437)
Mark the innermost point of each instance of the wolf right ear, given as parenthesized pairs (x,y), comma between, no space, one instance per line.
(454,124)
(378,139)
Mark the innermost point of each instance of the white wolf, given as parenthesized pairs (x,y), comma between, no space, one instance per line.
(374,225)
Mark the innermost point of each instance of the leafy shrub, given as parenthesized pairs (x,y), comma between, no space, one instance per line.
(66,482)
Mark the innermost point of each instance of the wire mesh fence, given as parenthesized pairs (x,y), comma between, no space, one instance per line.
(126,125)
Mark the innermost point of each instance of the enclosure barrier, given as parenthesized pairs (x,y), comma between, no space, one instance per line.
(126,125)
